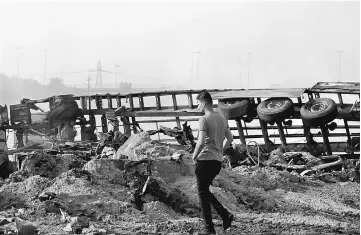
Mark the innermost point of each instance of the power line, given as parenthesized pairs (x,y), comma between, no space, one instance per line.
(105,71)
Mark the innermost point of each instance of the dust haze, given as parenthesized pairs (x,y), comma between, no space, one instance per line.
(241,44)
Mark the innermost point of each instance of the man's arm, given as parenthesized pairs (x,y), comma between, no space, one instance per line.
(229,139)
(200,144)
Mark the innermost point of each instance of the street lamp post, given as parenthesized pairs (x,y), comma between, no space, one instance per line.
(45,68)
(18,75)
(339,65)
(249,67)
(197,71)
(116,75)
(240,71)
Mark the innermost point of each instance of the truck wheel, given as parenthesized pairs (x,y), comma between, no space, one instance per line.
(275,109)
(233,108)
(318,111)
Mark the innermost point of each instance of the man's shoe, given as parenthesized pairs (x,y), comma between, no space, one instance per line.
(227,223)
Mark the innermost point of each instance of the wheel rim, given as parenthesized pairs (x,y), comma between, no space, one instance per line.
(275,104)
(317,107)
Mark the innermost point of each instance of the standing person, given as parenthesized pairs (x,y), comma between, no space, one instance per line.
(213,128)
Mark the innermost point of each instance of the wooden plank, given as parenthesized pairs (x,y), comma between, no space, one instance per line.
(110,101)
(145,94)
(158,104)
(325,134)
(346,127)
(297,127)
(261,93)
(119,101)
(240,131)
(190,100)
(335,146)
(83,103)
(310,95)
(104,124)
(169,120)
(175,106)
(89,102)
(265,135)
(342,114)
(340,100)
(141,102)
(170,92)
(92,121)
(98,102)
(131,104)
(336,87)
(255,136)
(282,134)
(126,126)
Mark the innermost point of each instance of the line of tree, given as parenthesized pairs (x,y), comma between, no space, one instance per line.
(13,89)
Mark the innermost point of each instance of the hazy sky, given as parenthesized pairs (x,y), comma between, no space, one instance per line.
(292,44)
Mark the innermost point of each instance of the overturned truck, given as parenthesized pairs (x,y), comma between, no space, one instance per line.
(322,119)
(289,144)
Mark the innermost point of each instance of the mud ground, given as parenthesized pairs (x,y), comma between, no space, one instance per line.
(263,200)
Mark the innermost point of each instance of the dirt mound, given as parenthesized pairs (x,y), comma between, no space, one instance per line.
(139,147)
(159,212)
(47,165)
(153,193)
(107,169)
(18,194)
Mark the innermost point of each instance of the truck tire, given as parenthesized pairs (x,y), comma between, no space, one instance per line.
(233,108)
(318,111)
(275,109)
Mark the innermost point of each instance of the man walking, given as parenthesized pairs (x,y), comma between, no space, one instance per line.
(213,128)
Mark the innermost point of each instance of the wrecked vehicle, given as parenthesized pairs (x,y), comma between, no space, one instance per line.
(292,169)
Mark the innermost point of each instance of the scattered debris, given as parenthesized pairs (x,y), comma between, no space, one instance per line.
(25,227)
(146,187)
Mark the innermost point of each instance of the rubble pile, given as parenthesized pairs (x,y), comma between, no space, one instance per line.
(149,188)
(140,147)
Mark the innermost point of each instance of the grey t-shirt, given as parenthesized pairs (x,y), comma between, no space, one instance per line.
(215,126)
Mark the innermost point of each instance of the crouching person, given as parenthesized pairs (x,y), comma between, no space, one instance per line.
(213,129)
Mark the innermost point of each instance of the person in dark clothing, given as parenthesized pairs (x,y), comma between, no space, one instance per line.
(213,129)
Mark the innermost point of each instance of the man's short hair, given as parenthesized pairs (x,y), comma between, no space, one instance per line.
(205,96)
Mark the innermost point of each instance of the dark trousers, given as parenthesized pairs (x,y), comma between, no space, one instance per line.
(205,172)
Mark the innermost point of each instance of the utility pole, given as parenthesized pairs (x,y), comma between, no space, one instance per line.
(88,84)
(339,65)
(45,68)
(249,67)
(116,75)
(197,71)
(18,75)
(192,71)
(99,79)
(240,72)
